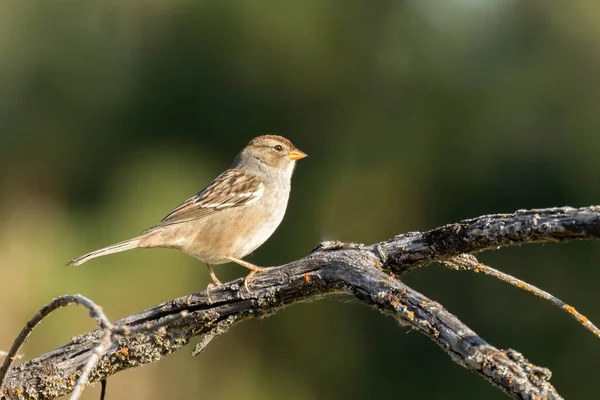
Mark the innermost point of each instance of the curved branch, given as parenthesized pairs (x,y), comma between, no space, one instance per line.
(333,267)
(488,232)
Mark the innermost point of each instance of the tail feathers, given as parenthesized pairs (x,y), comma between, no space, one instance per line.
(115,248)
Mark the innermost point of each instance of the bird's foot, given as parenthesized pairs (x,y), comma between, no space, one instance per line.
(253,272)
(216,282)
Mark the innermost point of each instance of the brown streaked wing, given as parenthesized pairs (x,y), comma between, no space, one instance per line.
(233,188)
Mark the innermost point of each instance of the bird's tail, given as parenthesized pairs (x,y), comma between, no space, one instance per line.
(115,248)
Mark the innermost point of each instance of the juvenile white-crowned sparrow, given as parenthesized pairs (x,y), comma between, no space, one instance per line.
(235,214)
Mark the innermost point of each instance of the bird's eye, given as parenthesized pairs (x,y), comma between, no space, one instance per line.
(278,147)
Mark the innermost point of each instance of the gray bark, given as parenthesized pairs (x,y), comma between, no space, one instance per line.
(369,273)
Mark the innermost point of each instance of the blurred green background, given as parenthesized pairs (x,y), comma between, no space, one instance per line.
(414,114)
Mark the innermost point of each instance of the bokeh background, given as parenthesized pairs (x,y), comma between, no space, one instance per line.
(414,113)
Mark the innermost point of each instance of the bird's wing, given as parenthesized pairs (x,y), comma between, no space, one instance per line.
(233,188)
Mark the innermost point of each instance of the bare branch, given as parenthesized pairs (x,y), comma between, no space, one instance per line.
(96,313)
(5,353)
(103,389)
(489,232)
(98,352)
(333,267)
(63,301)
(468,262)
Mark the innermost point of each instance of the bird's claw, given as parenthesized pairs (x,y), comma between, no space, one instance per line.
(209,287)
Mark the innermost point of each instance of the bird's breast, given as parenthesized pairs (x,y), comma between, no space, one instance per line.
(263,219)
(238,231)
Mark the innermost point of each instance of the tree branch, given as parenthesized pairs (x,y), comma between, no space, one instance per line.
(332,268)
(468,262)
(489,232)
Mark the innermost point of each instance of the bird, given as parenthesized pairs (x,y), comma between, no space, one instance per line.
(230,218)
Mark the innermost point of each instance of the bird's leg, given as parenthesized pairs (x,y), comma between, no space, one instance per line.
(253,269)
(213,276)
(216,282)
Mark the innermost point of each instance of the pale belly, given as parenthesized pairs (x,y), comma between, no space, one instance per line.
(233,232)
(213,240)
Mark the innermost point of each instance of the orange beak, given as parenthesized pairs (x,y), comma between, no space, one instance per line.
(297,154)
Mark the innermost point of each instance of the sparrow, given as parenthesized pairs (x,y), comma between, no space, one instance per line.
(230,218)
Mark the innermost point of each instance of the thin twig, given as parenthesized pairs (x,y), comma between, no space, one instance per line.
(5,353)
(468,262)
(89,365)
(96,313)
(103,389)
(59,302)
(106,342)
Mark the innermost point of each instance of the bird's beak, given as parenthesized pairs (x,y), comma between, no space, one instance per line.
(297,154)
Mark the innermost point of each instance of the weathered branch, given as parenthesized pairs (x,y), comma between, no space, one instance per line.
(96,313)
(333,267)
(488,232)
(468,262)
